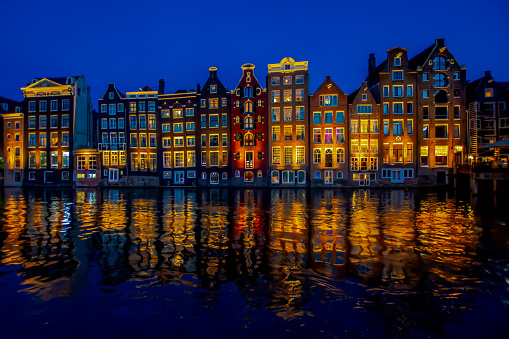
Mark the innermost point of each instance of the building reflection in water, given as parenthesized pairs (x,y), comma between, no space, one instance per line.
(273,244)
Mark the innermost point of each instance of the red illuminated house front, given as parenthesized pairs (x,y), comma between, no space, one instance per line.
(249,129)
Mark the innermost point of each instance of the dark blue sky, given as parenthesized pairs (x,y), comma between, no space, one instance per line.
(136,43)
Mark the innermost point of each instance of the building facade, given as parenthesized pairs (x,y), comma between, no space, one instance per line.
(396,84)
(214,144)
(490,120)
(142,129)
(14,162)
(111,131)
(364,118)
(288,91)
(249,131)
(328,136)
(58,120)
(179,113)
(441,96)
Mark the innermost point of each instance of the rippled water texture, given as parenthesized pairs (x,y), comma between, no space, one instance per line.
(251,263)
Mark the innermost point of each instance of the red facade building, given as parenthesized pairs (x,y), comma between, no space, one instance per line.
(249,131)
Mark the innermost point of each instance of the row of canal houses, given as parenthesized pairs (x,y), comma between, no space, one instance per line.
(405,126)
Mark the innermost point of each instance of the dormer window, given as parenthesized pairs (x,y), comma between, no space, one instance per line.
(287,66)
(488,92)
(213,88)
(397,61)
(112,95)
(69,81)
(364,97)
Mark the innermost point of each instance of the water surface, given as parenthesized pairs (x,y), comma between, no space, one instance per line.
(248,263)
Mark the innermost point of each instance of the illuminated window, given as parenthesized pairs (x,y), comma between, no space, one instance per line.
(364,126)
(385,152)
(179,159)
(248,123)
(143,140)
(488,92)
(287,80)
(397,152)
(274,176)
(340,155)
(299,94)
(134,161)
(317,156)
(249,140)
(166,142)
(249,159)
(300,155)
(225,159)
(275,96)
(276,133)
(65,139)
(287,95)
(165,113)
(288,155)
(373,126)
(397,127)
(340,135)
(166,159)
(354,163)
(178,141)
(425,131)
(456,131)
(276,155)
(441,153)
(409,125)
(214,140)
(300,133)
(213,88)
(213,103)
(65,160)
(409,152)
(317,135)
(54,139)
(223,102)
(328,136)
(248,107)
(275,81)
(328,100)
(354,126)
(287,113)
(299,113)
(275,114)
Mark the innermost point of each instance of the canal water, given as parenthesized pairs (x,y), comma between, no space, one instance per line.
(225,263)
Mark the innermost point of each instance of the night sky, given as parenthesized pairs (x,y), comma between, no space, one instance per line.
(136,43)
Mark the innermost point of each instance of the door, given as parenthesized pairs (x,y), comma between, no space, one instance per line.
(397,176)
(113,175)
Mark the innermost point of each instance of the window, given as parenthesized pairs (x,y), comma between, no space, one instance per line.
(213,88)
(104,108)
(386,91)
(248,92)
(364,125)
(288,133)
(287,80)
(287,114)
(54,159)
(457,112)
(276,133)
(288,177)
(441,131)
(397,61)
(54,121)
(340,135)
(299,94)
(317,156)
(397,108)
(441,153)
(373,126)
(166,128)
(317,135)
(65,139)
(214,120)
(203,140)
(287,95)
(43,121)
(409,126)
(141,106)
(354,126)
(386,108)
(42,139)
(328,136)
(397,127)
(275,114)
(177,141)
(248,107)
(425,131)
(354,163)
(425,93)
(386,173)
(385,152)
(143,140)
(328,100)
(178,127)
(300,155)
(397,152)
(113,123)
(456,131)
(214,140)
(275,81)
(300,134)
(299,114)
(214,158)
(439,63)
(410,108)
(179,159)
(248,123)
(166,141)
(386,127)
(152,140)
(317,118)
(288,155)
(224,122)
(397,91)
(225,158)
(397,75)
(441,112)
(189,126)
(165,113)
(213,103)
(43,105)
(364,109)
(340,117)
(275,96)
(340,155)
(276,155)
(299,79)
(179,177)
(274,175)
(328,118)
(440,80)
(65,105)
(54,139)
(488,92)
(120,107)
(425,113)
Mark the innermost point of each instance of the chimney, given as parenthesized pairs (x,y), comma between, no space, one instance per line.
(327,77)
(198,88)
(371,64)
(213,72)
(440,42)
(487,73)
(161,86)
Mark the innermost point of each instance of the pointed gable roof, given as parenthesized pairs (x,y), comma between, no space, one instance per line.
(327,84)
(213,79)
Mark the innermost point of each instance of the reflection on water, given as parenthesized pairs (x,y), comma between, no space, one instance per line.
(407,258)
